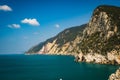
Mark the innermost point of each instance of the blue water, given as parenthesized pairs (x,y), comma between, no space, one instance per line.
(46,67)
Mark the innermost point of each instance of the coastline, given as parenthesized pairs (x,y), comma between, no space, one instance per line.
(78,58)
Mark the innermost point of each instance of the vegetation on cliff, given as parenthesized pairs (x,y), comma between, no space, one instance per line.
(101,35)
(68,35)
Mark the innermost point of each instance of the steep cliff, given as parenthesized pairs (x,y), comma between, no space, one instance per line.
(98,41)
(101,38)
(102,34)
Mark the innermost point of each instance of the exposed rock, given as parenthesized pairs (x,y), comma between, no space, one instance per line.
(114,56)
(80,57)
(115,76)
(92,58)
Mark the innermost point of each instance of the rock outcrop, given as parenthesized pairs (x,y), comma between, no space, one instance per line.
(115,76)
(111,58)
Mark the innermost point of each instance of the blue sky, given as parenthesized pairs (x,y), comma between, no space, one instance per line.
(25,23)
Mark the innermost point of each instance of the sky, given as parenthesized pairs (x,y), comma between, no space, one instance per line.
(26,23)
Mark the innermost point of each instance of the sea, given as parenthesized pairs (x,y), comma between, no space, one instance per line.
(51,67)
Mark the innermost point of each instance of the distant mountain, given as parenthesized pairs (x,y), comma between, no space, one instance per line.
(63,43)
(98,41)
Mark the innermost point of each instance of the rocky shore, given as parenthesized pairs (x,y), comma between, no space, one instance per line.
(115,76)
(111,58)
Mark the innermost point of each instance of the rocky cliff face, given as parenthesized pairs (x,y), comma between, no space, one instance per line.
(98,41)
(102,34)
(101,38)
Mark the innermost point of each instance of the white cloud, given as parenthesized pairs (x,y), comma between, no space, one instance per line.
(14,26)
(57,25)
(32,22)
(5,8)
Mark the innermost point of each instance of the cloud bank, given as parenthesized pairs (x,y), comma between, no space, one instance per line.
(30,21)
(5,8)
(16,26)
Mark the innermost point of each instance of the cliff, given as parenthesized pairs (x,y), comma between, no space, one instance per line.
(101,38)
(97,41)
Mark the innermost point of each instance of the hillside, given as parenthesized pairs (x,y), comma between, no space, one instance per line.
(98,41)
(60,43)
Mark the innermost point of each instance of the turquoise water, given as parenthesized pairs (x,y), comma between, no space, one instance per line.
(46,67)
